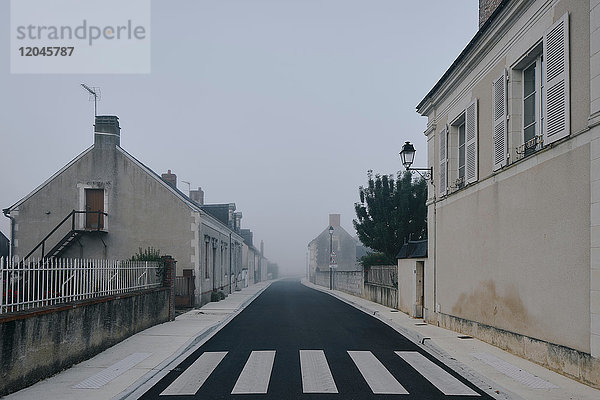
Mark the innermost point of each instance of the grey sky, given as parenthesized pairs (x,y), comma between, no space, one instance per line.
(278,106)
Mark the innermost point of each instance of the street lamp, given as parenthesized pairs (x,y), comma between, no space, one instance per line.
(408,156)
(330,257)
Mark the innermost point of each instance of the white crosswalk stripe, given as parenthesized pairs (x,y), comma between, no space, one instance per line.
(316,375)
(195,375)
(256,374)
(441,379)
(379,379)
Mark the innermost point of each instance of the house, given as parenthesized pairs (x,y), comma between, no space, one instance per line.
(106,204)
(254,263)
(411,277)
(332,246)
(513,138)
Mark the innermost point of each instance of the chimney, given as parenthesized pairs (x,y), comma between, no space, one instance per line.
(238,221)
(197,196)
(486,9)
(170,179)
(107,132)
(334,220)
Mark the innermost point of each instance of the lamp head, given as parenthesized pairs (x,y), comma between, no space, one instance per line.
(407,154)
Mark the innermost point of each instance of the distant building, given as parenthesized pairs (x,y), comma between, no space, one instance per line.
(342,244)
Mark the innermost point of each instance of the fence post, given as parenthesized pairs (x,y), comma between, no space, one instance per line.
(169,281)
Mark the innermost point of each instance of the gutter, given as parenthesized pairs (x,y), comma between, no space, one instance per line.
(6,213)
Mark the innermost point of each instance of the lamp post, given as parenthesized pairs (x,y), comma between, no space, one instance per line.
(330,257)
(408,156)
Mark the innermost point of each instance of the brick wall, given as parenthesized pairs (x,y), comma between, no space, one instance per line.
(486,9)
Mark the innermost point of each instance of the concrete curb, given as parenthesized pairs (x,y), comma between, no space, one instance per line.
(431,348)
(143,384)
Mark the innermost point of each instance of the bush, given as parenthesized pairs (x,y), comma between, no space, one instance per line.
(375,259)
(217,296)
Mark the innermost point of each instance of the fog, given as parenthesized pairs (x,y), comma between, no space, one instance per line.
(280,107)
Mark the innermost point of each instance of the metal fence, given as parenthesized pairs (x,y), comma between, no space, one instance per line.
(386,275)
(36,283)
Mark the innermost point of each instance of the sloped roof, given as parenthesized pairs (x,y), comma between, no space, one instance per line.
(413,249)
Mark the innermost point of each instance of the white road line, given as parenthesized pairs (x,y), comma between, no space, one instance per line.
(441,379)
(514,372)
(256,374)
(112,372)
(190,381)
(316,375)
(380,380)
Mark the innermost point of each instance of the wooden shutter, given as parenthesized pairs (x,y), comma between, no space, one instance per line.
(443,142)
(556,81)
(499,121)
(471,163)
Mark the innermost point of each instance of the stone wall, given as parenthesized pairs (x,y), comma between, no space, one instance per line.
(345,281)
(385,295)
(36,345)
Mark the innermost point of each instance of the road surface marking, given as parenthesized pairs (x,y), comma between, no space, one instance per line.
(380,380)
(441,379)
(256,374)
(112,372)
(514,372)
(316,375)
(190,381)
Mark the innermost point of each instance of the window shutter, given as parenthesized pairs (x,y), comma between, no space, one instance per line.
(443,161)
(556,81)
(471,142)
(499,121)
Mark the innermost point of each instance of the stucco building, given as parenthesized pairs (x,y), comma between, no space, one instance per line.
(111,205)
(513,137)
(342,244)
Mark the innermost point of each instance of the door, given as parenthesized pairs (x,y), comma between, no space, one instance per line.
(420,289)
(94,206)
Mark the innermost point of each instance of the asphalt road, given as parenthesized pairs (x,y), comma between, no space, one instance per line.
(293,342)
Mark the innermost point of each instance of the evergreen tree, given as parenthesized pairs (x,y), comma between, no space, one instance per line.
(391,211)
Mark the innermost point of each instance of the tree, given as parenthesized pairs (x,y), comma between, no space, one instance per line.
(391,211)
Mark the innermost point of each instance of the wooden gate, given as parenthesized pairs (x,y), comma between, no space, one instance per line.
(184,289)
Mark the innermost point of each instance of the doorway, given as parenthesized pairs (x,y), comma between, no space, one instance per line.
(420,288)
(94,207)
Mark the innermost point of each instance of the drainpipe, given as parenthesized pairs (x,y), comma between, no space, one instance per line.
(6,213)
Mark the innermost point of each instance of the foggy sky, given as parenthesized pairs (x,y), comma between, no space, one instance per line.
(278,106)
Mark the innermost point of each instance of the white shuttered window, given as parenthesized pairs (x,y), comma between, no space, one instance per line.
(556,81)
(443,174)
(472,164)
(499,121)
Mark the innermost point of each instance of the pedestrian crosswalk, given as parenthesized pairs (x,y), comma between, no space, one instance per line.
(316,374)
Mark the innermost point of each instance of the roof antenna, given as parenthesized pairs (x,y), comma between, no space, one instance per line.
(94,95)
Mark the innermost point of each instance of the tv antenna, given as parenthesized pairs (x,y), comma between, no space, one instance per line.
(95,96)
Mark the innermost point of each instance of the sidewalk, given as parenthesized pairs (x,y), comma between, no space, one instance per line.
(136,362)
(497,372)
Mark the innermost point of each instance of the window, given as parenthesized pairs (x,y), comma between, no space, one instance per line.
(461,153)
(206,249)
(461,164)
(540,94)
(533,116)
